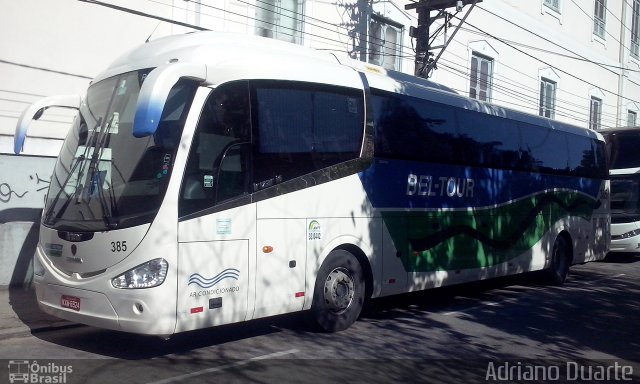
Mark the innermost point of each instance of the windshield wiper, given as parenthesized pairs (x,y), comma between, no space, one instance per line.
(49,212)
(79,160)
(97,179)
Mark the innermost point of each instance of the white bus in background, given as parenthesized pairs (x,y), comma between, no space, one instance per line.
(623,146)
(212,178)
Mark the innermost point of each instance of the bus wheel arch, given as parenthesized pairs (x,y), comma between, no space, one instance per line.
(365,264)
(339,291)
(560,260)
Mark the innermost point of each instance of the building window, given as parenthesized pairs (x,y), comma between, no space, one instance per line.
(481,77)
(280,19)
(547,98)
(599,17)
(635,29)
(385,45)
(595,113)
(553,4)
(632,119)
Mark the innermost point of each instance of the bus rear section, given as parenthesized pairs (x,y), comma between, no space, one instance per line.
(624,162)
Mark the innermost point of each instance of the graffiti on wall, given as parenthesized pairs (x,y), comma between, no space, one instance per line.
(24,181)
(7,192)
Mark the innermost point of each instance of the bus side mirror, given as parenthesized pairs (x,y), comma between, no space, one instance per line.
(35,111)
(155,91)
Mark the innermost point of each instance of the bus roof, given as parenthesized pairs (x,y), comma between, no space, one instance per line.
(618,130)
(248,57)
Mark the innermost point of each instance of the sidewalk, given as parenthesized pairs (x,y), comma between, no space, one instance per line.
(20,315)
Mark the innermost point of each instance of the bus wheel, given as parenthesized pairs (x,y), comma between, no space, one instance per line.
(560,262)
(339,292)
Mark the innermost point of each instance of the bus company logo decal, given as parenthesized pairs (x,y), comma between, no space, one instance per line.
(203,282)
(207,284)
(26,371)
(314,232)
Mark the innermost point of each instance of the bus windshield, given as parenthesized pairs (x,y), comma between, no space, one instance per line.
(625,198)
(105,178)
(622,149)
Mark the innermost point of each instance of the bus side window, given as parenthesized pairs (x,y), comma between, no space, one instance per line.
(301,128)
(233,173)
(414,129)
(213,157)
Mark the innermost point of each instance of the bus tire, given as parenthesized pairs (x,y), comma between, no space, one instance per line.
(558,269)
(338,296)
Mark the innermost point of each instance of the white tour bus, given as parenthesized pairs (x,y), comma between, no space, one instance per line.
(212,178)
(624,163)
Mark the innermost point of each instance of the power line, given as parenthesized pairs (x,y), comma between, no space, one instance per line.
(519,72)
(550,65)
(577,55)
(139,13)
(591,18)
(301,31)
(44,69)
(532,101)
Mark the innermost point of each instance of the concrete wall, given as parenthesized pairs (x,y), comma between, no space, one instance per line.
(23,185)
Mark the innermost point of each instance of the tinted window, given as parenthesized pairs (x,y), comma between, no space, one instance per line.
(625,198)
(545,148)
(622,149)
(417,129)
(303,129)
(410,128)
(218,165)
(586,157)
(487,140)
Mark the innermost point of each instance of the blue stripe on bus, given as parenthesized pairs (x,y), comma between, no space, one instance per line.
(388,185)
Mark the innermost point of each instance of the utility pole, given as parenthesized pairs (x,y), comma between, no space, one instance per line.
(425,63)
(364,9)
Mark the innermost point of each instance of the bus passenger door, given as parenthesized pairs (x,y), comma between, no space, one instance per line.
(280,266)
(214,270)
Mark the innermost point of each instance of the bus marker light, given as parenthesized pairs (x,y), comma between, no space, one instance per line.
(267,249)
(299,294)
(197,310)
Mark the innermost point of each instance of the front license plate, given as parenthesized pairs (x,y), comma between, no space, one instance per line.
(70,302)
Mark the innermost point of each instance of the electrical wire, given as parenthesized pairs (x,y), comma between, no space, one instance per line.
(549,64)
(339,44)
(576,57)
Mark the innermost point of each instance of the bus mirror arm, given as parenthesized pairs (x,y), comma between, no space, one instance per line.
(35,111)
(155,91)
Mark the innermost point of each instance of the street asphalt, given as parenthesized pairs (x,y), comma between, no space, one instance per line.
(19,313)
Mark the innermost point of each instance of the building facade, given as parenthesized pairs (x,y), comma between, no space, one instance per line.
(571,60)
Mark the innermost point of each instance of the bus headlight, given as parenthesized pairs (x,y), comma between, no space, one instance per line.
(627,235)
(147,275)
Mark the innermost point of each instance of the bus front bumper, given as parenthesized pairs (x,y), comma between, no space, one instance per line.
(95,309)
(630,245)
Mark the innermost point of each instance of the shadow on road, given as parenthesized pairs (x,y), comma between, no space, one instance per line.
(594,315)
